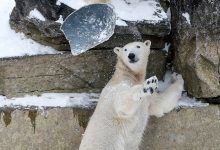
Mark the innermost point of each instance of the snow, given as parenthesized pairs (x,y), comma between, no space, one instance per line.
(36,14)
(16,44)
(51,100)
(168,14)
(139,11)
(166,47)
(60,20)
(135,11)
(75,4)
(58,3)
(187,17)
(83,99)
(120,22)
(186,101)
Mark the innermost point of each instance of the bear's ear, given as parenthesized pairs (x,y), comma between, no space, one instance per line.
(117,50)
(147,42)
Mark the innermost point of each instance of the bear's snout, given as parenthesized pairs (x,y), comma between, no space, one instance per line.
(131,56)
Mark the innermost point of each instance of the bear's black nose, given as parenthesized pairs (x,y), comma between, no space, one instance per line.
(131,56)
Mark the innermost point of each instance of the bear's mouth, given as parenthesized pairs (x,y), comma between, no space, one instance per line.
(133,61)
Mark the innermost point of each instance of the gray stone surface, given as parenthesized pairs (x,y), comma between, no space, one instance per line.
(89,71)
(56,73)
(187,129)
(197,45)
(48,32)
(62,128)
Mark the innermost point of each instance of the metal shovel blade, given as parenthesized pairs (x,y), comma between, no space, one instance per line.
(89,26)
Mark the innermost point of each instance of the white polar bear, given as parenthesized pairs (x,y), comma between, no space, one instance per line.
(127,101)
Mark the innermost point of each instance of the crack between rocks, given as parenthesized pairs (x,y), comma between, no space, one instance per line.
(77,76)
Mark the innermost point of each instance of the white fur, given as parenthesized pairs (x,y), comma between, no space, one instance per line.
(127,101)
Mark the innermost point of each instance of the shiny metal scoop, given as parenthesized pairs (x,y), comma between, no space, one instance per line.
(89,26)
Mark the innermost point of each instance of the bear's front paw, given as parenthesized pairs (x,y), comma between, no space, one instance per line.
(150,85)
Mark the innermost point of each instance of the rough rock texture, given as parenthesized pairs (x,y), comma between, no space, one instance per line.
(64,73)
(48,32)
(188,129)
(197,45)
(62,128)
(156,64)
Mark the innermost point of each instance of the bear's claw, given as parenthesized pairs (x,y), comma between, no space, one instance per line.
(150,85)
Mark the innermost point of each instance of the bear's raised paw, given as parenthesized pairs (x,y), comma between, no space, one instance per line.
(150,85)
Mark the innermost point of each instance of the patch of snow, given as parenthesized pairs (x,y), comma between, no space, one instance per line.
(36,14)
(168,14)
(60,20)
(166,47)
(184,101)
(134,11)
(75,4)
(16,44)
(120,22)
(58,3)
(187,17)
(139,11)
(52,100)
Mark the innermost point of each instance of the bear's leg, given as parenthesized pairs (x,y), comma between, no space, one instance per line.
(167,100)
(127,102)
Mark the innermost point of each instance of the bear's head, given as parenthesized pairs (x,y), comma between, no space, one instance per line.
(134,55)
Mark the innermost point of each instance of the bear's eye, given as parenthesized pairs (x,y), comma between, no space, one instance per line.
(138,46)
(125,50)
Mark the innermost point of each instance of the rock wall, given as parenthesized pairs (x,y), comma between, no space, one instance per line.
(65,73)
(48,32)
(62,128)
(88,72)
(196,39)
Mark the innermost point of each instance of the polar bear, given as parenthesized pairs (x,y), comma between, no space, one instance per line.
(127,101)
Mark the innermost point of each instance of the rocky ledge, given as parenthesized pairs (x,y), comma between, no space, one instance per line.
(62,128)
(88,72)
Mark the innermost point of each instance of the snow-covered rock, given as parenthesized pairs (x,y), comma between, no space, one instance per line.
(148,18)
(196,36)
(17,44)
